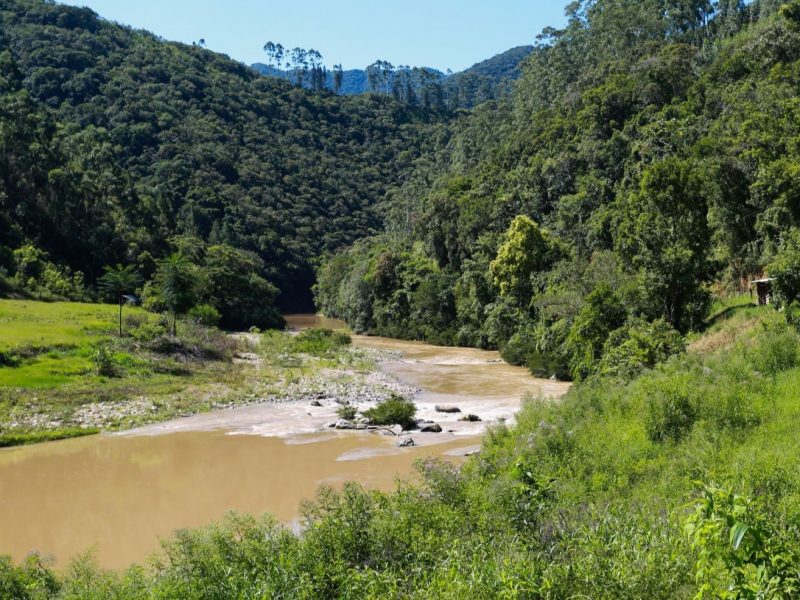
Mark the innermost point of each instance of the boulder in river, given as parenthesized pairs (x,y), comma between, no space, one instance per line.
(316,403)
(470,418)
(445,408)
(343,424)
(431,428)
(406,443)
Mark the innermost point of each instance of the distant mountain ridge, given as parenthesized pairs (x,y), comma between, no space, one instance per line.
(482,81)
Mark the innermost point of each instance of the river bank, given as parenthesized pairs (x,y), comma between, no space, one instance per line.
(117,493)
(463,390)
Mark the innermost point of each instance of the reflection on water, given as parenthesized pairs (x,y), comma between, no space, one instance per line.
(298,322)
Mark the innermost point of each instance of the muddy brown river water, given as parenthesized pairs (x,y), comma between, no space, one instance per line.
(116,495)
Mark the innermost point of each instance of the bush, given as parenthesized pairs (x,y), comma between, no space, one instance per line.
(103,361)
(146,332)
(670,416)
(347,412)
(204,314)
(639,345)
(777,352)
(320,342)
(395,410)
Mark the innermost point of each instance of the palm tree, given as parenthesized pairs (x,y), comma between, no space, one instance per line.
(176,277)
(118,281)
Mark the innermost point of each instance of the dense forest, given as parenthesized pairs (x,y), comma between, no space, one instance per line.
(598,224)
(118,147)
(645,156)
(487,80)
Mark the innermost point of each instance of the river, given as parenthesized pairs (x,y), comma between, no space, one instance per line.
(116,495)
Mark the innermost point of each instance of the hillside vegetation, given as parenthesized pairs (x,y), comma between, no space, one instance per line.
(684,481)
(647,157)
(115,143)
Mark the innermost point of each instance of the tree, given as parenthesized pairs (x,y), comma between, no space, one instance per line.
(522,253)
(176,278)
(117,281)
(664,233)
(338,77)
(602,313)
(235,288)
(785,268)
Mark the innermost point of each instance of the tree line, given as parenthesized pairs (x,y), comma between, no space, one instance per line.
(415,86)
(645,157)
(114,144)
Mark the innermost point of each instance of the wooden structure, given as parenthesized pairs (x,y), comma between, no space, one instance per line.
(763,290)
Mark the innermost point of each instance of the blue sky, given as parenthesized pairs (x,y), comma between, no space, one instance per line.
(435,33)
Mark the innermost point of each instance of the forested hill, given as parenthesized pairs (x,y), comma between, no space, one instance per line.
(646,156)
(118,147)
(487,80)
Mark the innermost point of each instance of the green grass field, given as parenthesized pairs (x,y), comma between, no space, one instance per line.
(52,384)
(38,325)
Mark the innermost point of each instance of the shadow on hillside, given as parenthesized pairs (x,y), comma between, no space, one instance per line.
(726,313)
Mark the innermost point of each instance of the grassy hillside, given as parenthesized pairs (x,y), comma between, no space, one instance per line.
(682,482)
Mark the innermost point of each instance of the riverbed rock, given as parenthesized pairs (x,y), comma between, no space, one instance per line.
(406,443)
(445,408)
(431,428)
(316,403)
(470,418)
(394,430)
(343,424)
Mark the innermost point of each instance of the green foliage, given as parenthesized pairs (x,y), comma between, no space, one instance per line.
(602,313)
(204,314)
(33,580)
(670,416)
(521,254)
(739,553)
(36,437)
(785,268)
(668,154)
(237,291)
(120,142)
(319,342)
(347,412)
(177,283)
(118,281)
(41,278)
(395,410)
(103,361)
(638,345)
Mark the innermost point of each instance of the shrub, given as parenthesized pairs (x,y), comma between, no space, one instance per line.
(639,345)
(395,410)
(204,314)
(147,332)
(320,341)
(347,412)
(103,361)
(776,352)
(670,416)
